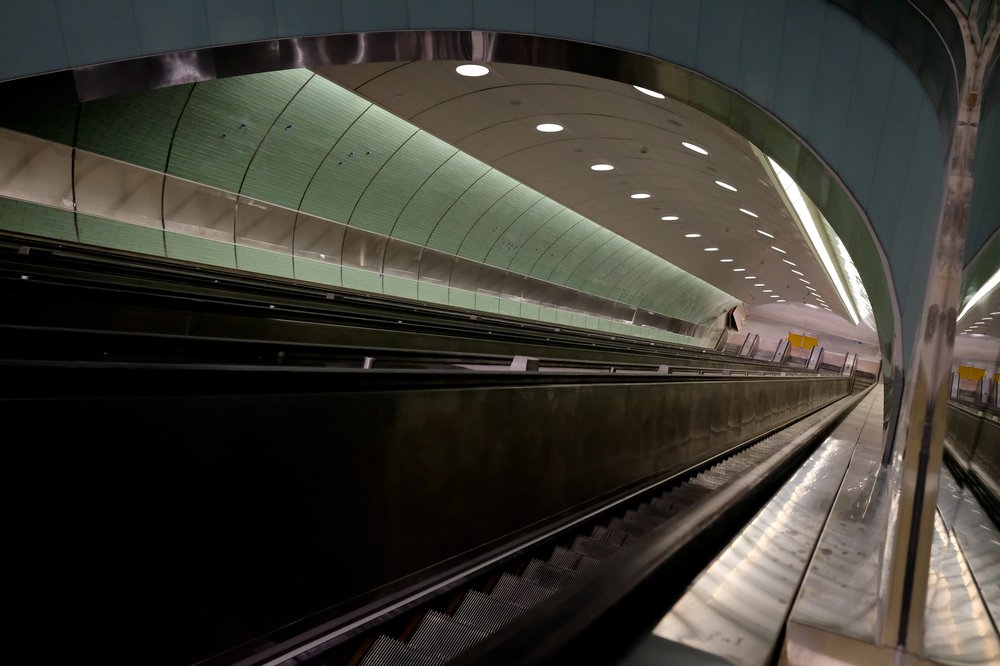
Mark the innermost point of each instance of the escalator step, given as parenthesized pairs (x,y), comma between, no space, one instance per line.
(443,636)
(669,506)
(390,652)
(596,549)
(486,613)
(519,591)
(645,522)
(608,535)
(653,511)
(564,559)
(587,563)
(546,575)
(634,530)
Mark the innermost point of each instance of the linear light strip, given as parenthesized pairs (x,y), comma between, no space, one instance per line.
(990,285)
(798,202)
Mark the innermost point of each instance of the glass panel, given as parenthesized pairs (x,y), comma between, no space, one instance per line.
(363,249)
(264,226)
(402,259)
(197,210)
(35,170)
(118,191)
(319,239)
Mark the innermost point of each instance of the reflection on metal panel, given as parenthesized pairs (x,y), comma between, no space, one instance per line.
(957,630)
(977,538)
(840,591)
(464,274)
(402,259)
(198,210)
(435,267)
(737,606)
(316,238)
(118,191)
(264,226)
(363,249)
(35,170)
(491,280)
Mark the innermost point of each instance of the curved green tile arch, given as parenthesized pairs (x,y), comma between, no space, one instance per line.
(297,140)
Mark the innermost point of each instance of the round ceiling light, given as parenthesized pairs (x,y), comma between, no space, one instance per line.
(651,93)
(692,147)
(601,167)
(472,70)
(726,186)
(549,127)
(670,218)
(640,195)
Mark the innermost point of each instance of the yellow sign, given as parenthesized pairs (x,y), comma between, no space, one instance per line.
(803,341)
(969,373)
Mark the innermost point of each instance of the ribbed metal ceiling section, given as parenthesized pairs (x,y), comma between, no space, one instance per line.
(297,140)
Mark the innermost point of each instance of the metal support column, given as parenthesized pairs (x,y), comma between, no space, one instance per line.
(919,440)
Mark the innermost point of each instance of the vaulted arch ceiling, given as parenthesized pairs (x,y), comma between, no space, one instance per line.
(296,140)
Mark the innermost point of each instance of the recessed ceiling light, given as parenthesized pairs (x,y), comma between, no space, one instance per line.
(780,300)
(697,149)
(987,318)
(804,280)
(767,291)
(647,91)
(726,186)
(810,288)
(670,218)
(979,322)
(750,277)
(764,233)
(711,249)
(810,305)
(778,249)
(692,235)
(775,296)
(472,70)
(790,263)
(798,272)
(601,167)
(995,313)
(726,261)
(739,270)
(749,212)
(549,127)
(759,284)
(640,195)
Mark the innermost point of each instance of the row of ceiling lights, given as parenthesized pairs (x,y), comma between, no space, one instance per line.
(726,186)
(479,70)
(982,322)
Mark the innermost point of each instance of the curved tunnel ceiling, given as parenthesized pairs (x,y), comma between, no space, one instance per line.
(294,139)
(493,118)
